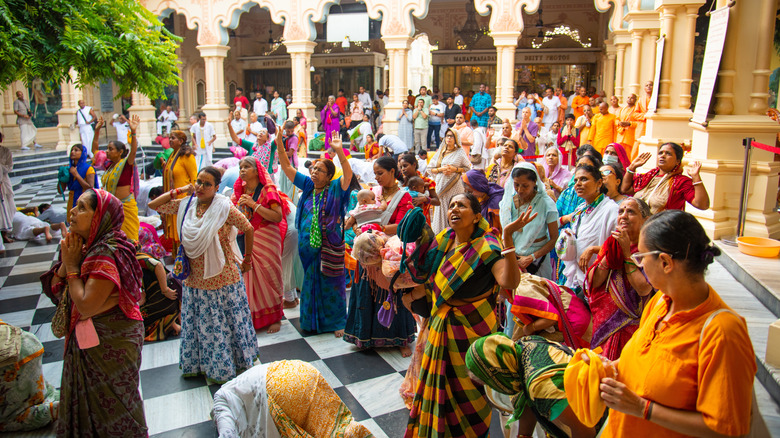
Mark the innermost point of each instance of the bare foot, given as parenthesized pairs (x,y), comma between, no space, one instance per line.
(275,327)
(176,329)
(338,333)
(406,351)
(290,304)
(48,235)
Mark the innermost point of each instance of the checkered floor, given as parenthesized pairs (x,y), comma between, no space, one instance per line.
(367,381)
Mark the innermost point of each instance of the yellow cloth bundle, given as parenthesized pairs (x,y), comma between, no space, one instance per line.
(581,382)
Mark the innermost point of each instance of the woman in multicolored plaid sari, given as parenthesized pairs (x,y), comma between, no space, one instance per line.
(465,268)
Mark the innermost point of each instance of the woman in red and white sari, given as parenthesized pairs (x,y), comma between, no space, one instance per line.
(256,195)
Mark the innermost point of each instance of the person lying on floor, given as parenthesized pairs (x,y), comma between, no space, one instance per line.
(30,227)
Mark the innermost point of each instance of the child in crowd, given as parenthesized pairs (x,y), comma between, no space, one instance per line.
(367,213)
(415,187)
(422,161)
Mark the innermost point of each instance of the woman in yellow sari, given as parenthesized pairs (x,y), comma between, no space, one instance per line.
(180,170)
(119,175)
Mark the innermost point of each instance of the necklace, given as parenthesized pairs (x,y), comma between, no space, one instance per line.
(202,208)
(387,193)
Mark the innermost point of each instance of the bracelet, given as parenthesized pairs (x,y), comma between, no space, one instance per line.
(172,193)
(650,411)
(630,171)
(508,250)
(256,207)
(70,275)
(698,182)
(646,411)
(533,257)
(602,267)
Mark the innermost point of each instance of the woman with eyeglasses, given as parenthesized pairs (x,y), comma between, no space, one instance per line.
(180,170)
(319,220)
(612,174)
(617,289)
(591,223)
(688,369)
(217,336)
(665,187)
(447,166)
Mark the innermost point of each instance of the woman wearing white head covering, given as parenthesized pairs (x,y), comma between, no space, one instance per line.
(447,167)
(533,244)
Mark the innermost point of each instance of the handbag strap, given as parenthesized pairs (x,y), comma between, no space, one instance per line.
(186,209)
(711,317)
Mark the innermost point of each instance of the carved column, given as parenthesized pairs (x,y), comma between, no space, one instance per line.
(300,52)
(609,75)
(667,15)
(636,58)
(67,129)
(143,108)
(620,67)
(506,45)
(397,47)
(216,108)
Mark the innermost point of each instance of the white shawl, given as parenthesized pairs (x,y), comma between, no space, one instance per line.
(200,236)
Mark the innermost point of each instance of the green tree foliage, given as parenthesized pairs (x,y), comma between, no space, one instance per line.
(99,39)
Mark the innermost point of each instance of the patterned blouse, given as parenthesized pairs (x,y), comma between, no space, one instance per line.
(231,273)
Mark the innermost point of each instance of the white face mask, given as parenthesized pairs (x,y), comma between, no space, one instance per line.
(610,159)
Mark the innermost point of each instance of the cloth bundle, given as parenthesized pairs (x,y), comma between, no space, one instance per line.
(391,262)
(581,382)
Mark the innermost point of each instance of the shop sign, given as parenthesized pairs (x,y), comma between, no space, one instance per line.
(266,62)
(336,60)
(525,57)
(558,57)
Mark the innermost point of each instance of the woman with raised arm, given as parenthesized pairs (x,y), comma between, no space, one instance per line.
(319,220)
(120,178)
(463,268)
(665,187)
(217,337)
(258,198)
(82,174)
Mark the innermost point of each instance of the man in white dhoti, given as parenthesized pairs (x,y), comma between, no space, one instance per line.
(85,116)
(122,128)
(7,206)
(24,120)
(166,119)
(203,138)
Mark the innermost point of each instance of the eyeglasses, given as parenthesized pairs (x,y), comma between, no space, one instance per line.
(606,172)
(204,184)
(639,257)
(449,136)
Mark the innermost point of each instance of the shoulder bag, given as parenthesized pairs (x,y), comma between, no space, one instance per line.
(181,266)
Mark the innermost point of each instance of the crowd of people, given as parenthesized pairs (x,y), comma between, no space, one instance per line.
(521,248)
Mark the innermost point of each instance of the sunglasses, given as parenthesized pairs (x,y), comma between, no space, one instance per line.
(606,172)
(639,257)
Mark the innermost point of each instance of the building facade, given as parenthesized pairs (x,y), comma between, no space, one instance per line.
(610,45)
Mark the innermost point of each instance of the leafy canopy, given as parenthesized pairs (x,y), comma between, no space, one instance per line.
(100,39)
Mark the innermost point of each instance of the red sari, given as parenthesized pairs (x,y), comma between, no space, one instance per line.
(264,283)
(615,305)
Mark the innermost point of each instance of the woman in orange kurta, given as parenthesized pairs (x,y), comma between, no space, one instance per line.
(180,170)
(687,370)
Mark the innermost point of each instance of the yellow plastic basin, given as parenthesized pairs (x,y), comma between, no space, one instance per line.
(758,246)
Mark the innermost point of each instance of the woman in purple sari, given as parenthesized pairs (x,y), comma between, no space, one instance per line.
(330,119)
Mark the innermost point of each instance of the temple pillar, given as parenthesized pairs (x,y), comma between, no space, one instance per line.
(67,128)
(300,54)
(397,47)
(609,74)
(719,144)
(622,40)
(506,45)
(216,109)
(636,58)
(143,108)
